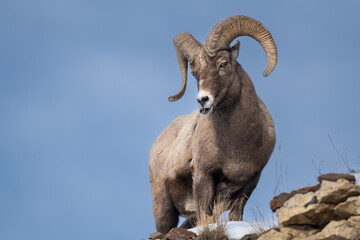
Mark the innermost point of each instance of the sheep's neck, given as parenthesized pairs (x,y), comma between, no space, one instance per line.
(240,125)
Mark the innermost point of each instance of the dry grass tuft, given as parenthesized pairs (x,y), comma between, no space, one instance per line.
(260,224)
(213,227)
(344,157)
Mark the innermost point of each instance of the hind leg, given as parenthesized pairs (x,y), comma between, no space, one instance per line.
(240,198)
(237,208)
(165,213)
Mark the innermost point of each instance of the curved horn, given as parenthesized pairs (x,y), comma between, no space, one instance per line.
(186,48)
(225,31)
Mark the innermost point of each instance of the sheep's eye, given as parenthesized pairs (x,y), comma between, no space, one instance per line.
(223,65)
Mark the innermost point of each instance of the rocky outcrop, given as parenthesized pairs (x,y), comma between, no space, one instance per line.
(156,236)
(279,200)
(174,234)
(337,230)
(336,192)
(351,207)
(330,211)
(300,231)
(333,177)
(180,233)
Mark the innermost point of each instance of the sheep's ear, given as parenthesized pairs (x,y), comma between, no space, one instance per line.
(234,51)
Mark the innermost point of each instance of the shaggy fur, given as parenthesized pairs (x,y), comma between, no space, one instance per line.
(196,159)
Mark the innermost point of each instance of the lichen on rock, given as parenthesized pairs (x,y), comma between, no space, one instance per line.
(329,211)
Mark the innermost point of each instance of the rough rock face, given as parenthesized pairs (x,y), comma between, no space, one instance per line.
(354,222)
(333,177)
(180,234)
(336,192)
(301,232)
(156,236)
(174,234)
(315,215)
(337,230)
(331,211)
(275,234)
(351,207)
(279,200)
(303,209)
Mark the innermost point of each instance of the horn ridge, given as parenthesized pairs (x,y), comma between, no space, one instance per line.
(225,31)
(186,47)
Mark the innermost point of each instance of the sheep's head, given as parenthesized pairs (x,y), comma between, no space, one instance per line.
(214,65)
(216,79)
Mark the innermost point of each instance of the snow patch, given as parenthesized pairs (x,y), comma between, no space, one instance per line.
(238,229)
(357,177)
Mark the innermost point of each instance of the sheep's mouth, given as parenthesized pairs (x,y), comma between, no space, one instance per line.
(205,111)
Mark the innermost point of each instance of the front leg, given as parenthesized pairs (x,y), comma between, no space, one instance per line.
(203,191)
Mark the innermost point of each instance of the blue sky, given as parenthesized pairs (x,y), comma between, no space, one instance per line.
(83,95)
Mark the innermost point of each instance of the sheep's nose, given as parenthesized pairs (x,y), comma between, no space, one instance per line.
(203,99)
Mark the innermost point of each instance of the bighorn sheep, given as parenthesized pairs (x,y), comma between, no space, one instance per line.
(222,149)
